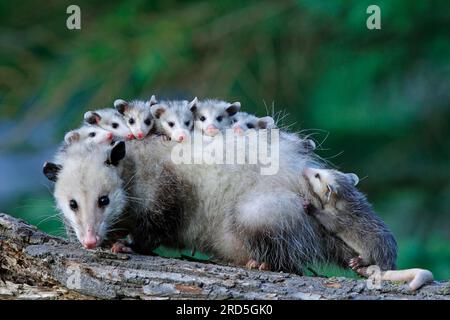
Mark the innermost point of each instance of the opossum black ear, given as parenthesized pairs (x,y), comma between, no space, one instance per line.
(353,178)
(116,153)
(152,100)
(71,137)
(193,105)
(233,108)
(51,170)
(266,123)
(92,117)
(157,110)
(121,105)
(309,144)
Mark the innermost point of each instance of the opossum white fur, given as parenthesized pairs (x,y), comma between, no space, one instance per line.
(243,121)
(174,119)
(138,115)
(212,116)
(88,134)
(110,120)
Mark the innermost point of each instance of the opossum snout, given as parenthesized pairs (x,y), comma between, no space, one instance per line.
(181,137)
(238,129)
(140,135)
(130,136)
(109,136)
(91,240)
(212,130)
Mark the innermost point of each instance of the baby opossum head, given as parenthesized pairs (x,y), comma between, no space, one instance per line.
(330,186)
(242,121)
(88,134)
(111,120)
(213,116)
(138,115)
(174,118)
(88,189)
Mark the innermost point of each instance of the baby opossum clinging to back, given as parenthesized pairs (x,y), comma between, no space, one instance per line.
(110,120)
(88,133)
(343,210)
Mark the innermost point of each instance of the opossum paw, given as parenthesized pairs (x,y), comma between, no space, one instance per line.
(252,264)
(120,247)
(356,263)
(264,267)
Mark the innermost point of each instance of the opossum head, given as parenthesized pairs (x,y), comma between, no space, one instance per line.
(330,186)
(242,121)
(88,134)
(138,115)
(174,118)
(110,120)
(214,116)
(89,190)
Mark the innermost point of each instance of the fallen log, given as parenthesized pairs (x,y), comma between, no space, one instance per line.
(35,265)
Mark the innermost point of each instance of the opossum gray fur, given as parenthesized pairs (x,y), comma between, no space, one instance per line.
(109,119)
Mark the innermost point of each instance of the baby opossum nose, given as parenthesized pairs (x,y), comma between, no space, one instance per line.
(109,136)
(238,129)
(181,138)
(211,129)
(140,135)
(130,136)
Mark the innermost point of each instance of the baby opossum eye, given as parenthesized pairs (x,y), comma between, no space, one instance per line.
(147,122)
(317,176)
(186,123)
(115,125)
(103,201)
(171,124)
(73,205)
(250,125)
(91,134)
(234,120)
(131,121)
(219,118)
(202,118)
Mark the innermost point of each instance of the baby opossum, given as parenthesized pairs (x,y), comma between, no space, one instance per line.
(174,119)
(138,115)
(110,120)
(213,116)
(89,134)
(345,211)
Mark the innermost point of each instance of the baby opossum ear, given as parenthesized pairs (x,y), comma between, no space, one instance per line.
(121,105)
(152,101)
(51,170)
(330,190)
(71,137)
(116,153)
(353,178)
(266,123)
(193,105)
(309,145)
(157,110)
(92,117)
(233,108)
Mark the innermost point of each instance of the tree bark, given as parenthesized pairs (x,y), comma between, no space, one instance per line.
(35,265)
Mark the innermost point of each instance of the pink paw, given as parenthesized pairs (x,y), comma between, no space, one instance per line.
(253,264)
(120,247)
(356,263)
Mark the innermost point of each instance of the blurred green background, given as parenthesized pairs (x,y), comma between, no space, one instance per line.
(378,101)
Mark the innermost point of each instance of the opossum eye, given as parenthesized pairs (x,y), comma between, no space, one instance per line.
(186,123)
(250,125)
(317,176)
(171,124)
(147,122)
(103,201)
(115,125)
(202,118)
(91,134)
(219,118)
(131,121)
(73,205)
(234,120)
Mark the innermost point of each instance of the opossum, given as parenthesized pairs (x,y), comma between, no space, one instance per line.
(110,120)
(89,134)
(174,119)
(212,116)
(138,115)
(344,211)
(105,190)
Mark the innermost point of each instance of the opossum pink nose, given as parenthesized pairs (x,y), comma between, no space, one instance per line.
(238,129)
(90,242)
(211,127)
(181,138)
(140,135)
(130,136)
(109,136)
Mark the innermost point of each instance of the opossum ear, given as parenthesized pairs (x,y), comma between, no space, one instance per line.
(121,105)
(92,117)
(116,153)
(51,170)
(309,145)
(266,123)
(193,105)
(330,190)
(71,137)
(353,178)
(152,100)
(233,108)
(157,110)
